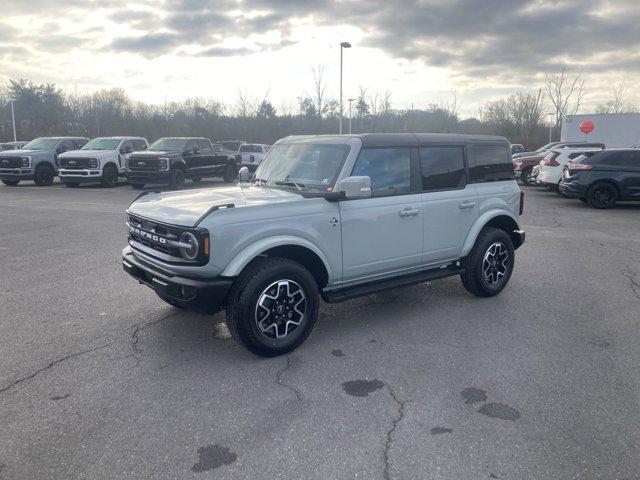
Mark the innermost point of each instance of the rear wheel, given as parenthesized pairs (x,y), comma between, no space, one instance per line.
(527,177)
(230,173)
(43,176)
(137,186)
(489,265)
(71,184)
(11,183)
(176,181)
(272,306)
(109,176)
(602,195)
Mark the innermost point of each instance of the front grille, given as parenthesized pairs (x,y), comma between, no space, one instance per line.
(10,162)
(143,164)
(74,163)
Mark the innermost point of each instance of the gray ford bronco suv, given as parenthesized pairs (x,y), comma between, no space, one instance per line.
(335,217)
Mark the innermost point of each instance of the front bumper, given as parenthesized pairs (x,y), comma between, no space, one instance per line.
(16,173)
(79,176)
(206,295)
(148,177)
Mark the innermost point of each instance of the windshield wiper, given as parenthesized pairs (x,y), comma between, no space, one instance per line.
(290,183)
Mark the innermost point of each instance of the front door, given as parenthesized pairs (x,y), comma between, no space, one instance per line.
(382,234)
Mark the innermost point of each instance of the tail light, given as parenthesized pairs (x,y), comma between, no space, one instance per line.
(252,158)
(551,163)
(521,202)
(579,166)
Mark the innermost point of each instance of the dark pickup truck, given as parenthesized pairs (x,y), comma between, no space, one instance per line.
(172,160)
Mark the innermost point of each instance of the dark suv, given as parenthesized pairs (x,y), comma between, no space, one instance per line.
(171,160)
(604,178)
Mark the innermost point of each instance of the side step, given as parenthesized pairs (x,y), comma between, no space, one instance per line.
(336,296)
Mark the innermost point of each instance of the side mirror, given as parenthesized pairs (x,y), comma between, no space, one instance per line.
(244,175)
(354,187)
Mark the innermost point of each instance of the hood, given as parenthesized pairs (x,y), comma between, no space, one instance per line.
(153,154)
(87,153)
(187,207)
(13,153)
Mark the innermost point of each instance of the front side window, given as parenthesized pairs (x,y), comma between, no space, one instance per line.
(489,163)
(388,168)
(307,166)
(442,168)
(205,147)
(139,145)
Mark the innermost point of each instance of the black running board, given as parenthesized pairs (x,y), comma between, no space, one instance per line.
(336,296)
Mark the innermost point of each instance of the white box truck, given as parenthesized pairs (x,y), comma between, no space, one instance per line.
(615,130)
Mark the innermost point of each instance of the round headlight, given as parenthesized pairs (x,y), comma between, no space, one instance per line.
(190,252)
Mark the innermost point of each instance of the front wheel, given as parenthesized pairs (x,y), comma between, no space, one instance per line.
(489,265)
(230,173)
(11,183)
(44,176)
(602,195)
(527,177)
(109,176)
(272,306)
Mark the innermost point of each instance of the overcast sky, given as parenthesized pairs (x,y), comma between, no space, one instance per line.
(420,50)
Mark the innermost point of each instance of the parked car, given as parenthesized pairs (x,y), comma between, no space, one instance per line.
(36,160)
(101,160)
(231,145)
(534,153)
(12,145)
(517,148)
(602,179)
(551,167)
(523,166)
(252,154)
(171,160)
(331,216)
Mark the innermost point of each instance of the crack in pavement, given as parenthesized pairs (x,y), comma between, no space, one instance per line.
(53,363)
(135,338)
(635,284)
(397,419)
(286,385)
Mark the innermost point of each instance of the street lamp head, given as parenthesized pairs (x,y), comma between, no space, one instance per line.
(345,45)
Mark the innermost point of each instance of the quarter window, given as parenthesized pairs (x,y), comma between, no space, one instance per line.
(388,168)
(488,163)
(442,168)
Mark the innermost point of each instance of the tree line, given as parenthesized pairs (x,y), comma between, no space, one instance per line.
(523,117)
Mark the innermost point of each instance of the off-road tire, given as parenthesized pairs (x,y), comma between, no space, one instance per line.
(43,176)
(602,195)
(230,173)
(177,179)
(473,278)
(109,176)
(242,305)
(11,183)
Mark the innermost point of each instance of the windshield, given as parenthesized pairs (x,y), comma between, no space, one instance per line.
(168,144)
(41,144)
(302,165)
(102,144)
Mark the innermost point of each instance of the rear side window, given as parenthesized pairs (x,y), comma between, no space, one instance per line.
(442,168)
(489,163)
(389,169)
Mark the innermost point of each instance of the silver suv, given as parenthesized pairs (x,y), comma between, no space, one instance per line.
(335,217)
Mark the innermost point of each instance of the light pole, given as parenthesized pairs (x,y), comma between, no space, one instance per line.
(343,45)
(550,124)
(350,100)
(13,119)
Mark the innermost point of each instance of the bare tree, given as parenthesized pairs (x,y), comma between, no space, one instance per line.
(319,88)
(565,95)
(617,103)
(379,105)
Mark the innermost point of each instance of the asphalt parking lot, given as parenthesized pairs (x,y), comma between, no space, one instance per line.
(100,379)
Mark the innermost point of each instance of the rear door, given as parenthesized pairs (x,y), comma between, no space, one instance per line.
(449,203)
(208,161)
(382,234)
(630,177)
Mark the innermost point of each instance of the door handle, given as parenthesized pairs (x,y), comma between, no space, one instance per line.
(408,212)
(465,205)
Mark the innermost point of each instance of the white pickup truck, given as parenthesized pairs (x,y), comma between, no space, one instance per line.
(252,154)
(101,160)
